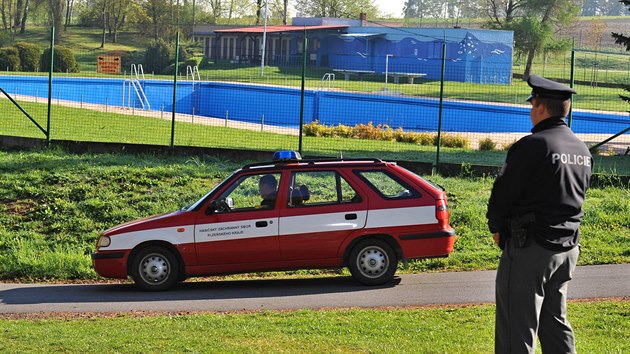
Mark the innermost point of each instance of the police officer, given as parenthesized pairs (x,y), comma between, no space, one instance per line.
(534,214)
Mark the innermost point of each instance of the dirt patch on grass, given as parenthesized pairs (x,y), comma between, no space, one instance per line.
(70,316)
(19,207)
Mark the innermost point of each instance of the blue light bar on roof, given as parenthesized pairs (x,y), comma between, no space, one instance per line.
(286,155)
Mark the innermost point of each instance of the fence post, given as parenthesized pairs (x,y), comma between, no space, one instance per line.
(175,88)
(304,50)
(50,74)
(439,133)
(572,83)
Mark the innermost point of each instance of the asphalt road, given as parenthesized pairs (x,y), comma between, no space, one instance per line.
(331,292)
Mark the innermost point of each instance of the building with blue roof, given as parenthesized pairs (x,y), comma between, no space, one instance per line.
(351,48)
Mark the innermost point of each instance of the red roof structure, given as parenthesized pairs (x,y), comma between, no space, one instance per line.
(277,29)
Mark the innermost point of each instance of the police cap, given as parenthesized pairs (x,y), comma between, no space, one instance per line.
(546,88)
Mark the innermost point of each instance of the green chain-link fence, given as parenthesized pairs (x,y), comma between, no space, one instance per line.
(226,100)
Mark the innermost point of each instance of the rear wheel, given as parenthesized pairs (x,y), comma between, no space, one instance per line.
(373,262)
(155,268)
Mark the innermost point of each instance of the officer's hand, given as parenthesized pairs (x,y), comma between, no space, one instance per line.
(496,237)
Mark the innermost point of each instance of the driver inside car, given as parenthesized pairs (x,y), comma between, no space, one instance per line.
(268,189)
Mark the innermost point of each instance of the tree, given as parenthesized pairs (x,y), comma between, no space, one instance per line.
(117,12)
(620,38)
(57,15)
(24,16)
(503,12)
(591,8)
(19,8)
(336,8)
(157,18)
(69,9)
(624,40)
(534,22)
(259,5)
(421,9)
(596,33)
(104,24)
(216,6)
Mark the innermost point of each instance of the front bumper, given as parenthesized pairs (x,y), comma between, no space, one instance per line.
(110,264)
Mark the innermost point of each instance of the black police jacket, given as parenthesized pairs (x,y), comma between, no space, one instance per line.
(547,174)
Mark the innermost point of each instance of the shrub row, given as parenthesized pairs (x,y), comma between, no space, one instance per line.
(382,132)
(24,56)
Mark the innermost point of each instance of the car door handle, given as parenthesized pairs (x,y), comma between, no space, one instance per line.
(351,216)
(261,224)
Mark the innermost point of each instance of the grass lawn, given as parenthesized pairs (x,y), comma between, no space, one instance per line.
(78,124)
(54,204)
(600,327)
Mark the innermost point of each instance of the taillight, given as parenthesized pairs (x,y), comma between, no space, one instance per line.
(441,213)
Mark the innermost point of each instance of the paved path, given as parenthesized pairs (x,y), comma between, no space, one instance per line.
(331,292)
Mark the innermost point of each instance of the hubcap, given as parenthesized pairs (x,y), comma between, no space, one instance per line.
(372,262)
(155,268)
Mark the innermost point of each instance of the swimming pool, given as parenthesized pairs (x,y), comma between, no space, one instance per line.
(280,106)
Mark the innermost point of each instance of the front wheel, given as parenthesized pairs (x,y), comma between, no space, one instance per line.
(155,268)
(373,262)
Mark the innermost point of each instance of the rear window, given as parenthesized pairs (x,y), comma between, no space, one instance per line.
(387,185)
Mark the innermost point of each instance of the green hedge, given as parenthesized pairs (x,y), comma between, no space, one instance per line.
(9,59)
(30,56)
(65,60)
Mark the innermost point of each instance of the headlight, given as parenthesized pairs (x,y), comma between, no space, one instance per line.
(103,241)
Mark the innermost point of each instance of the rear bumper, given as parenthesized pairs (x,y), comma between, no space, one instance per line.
(425,235)
(428,244)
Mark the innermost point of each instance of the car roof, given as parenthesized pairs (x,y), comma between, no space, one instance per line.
(323,163)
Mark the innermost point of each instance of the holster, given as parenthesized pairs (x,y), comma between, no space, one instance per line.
(518,229)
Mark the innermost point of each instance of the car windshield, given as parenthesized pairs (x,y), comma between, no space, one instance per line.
(196,204)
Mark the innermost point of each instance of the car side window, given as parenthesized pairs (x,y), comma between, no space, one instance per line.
(387,185)
(252,192)
(320,188)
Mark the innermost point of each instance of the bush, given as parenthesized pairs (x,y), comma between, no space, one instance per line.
(183,67)
(387,133)
(6,39)
(342,131)
(426,139)
(128,58)
(64,60)
(454,141)
(205,63)
(157,57)
(9,59)
(487,145)
(30,55)
(315,129)
(369,131)
(183,55)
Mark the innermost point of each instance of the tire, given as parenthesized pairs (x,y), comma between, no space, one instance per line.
(155,268)
(372,262)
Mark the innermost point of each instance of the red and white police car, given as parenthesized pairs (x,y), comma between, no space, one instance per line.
(289,213)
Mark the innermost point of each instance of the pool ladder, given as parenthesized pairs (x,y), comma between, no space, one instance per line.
(194,74)
(134,82)
(327,79)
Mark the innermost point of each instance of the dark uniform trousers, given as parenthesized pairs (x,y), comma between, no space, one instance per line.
(531,290)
